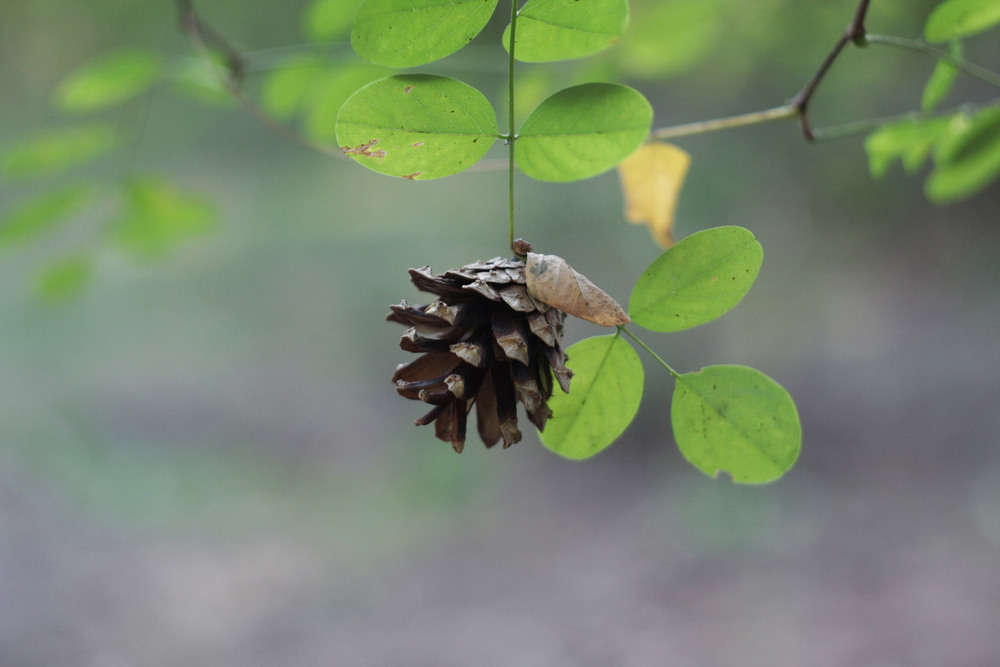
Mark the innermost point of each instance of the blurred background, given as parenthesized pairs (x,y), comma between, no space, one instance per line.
(203,461)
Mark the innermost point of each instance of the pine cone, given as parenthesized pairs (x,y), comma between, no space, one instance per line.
(484,341)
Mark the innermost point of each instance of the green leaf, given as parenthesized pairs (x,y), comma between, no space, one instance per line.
(290,87)
(669,38)
(955,19)
(108,80)
(329,95)
(407,33)
(326,20)
(549,30)
(582,131)
(42,214)
(697,280)
(416,126)
(53,151)
(157,216)
(65,279)
(736,420)
(909,140)
(603,398)
(966,157)
(199,79)
(942,78)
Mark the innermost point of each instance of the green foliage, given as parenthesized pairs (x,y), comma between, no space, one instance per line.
(909,141)
(956,19)
(966,156)
(736,420)
(55,151)
(669,38)
(940,83)
(156,216)
(417,126)
(403,33)
(697,280)
(326,20)
(582,131)
(65,279)
(605,396)
(109,80)
(550,30)
(43,213)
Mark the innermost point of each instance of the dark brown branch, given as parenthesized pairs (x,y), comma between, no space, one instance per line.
(855,33)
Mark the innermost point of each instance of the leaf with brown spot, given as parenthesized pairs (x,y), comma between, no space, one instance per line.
(551,280)
(651,180)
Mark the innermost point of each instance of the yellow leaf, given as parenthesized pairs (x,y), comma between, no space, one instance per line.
(651,181)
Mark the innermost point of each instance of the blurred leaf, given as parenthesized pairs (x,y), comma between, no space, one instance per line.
(955,19)
(651,180)
(157,216)
(402,33)
(42,213)
(64,279)
(582,131)
(549,30)
(327,20)
(416,126)
(942,78)
(736,420)
(671,37)
(200,80)
(53,151)
(697,280)
(603,399)
(292,84)
(108,80)
(966,157)
(909,140)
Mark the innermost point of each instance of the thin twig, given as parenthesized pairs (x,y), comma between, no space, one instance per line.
(961,64)
(860,127)
(855,33)
(701,127)
(200,34)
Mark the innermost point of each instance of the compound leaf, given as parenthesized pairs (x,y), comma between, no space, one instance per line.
(736,420)
(416,126)
(407,33)
(42,213)
(697,280)
(549,30)
(603,398)
(53,151)
(109,80)
(966,156)
(157,216)
(582,131)
(955,19)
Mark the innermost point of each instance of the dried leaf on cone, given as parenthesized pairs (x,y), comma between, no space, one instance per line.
(551,280)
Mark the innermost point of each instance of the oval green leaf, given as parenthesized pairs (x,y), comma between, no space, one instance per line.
(65,279)
(54,151)
(697,280)
(549,30)
(416,126)
(582,131)
(941,81)
(403,33)
(157,216)
(42,214)
(326,20)
(955,19)
(738,421)
(107,81)
(966,157)
(603,398)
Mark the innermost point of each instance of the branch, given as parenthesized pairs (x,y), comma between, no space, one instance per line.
(960,64)
(202,35)
(855,33)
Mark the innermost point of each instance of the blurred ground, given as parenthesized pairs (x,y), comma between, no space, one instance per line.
(203,461)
